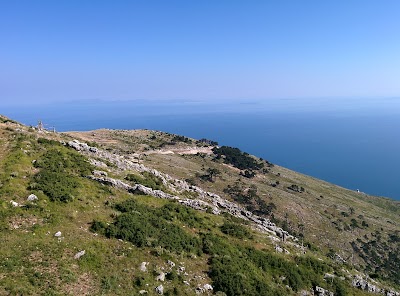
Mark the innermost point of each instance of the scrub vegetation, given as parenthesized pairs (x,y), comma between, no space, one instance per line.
(136,243)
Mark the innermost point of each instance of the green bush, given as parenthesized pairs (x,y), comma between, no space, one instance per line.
(146,226)
(235,230)
(237,158)
(56,185)
(44,141)
(60,170)
(234,276)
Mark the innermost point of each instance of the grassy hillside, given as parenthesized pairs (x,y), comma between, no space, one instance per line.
(103,236)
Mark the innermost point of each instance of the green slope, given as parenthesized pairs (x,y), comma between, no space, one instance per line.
(192,249)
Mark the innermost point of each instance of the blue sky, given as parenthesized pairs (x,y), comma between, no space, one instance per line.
(122,50)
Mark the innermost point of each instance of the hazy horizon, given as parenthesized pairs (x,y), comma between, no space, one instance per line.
(350,144)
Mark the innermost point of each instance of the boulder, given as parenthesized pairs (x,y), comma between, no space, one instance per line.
(161,277)
(160,289)
(319,291)
(171,264)
(32,197)
(79,254)
(14,204)
(208,287)
(143,266)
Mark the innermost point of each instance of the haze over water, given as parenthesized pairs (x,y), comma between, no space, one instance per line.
(353,143)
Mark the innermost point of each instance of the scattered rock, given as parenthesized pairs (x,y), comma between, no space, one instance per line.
(57,234)
(141,292)
(319,291)
(161,277)
(79,254)
(205,201)
(207,287)
(97,163)
(14,204)
(160,289)
(171,264)
(204,289)
(143,266)
(363,284)
(305,293)
(32,197)
(99,173)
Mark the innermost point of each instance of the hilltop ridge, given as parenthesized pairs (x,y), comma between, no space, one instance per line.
(134,212)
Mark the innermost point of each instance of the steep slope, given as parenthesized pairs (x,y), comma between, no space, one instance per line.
(132,212)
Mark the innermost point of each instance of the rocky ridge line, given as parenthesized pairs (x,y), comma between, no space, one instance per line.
(206,200)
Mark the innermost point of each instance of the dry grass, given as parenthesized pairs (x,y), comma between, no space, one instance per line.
(111,266)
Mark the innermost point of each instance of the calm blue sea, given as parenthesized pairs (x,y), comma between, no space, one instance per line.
(354,143)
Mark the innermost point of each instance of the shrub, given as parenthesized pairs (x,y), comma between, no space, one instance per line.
(237,158)
(235,230)
(57,185)
(48,142)
(60,172)
(146,226)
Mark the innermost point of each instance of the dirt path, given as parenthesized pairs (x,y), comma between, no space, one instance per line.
(181,151)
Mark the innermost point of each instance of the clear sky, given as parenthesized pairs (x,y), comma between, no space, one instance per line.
(209,49)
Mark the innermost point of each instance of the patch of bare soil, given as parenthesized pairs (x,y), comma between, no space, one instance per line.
(84,285)
(24,222)
(95,136)
(181,151)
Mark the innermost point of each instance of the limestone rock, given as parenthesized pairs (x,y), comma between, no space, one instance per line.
(208,287)
(161,277)
(319,291)
(99,173)
(160,289)
(79,254)
(171,264)
(14,204)
(143,266)
(32,197)
(57,234)
(97,163)
(141,292)
(205,200)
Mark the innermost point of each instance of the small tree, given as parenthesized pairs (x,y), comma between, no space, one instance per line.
(212,173)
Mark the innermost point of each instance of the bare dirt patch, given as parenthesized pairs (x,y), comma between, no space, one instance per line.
(24,222)
(84,285)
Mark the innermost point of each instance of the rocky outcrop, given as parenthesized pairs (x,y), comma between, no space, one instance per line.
(205,200)
(136,189)
(367,285)
(319,291)
(203,289)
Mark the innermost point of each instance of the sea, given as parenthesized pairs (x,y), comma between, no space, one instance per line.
(351,142)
